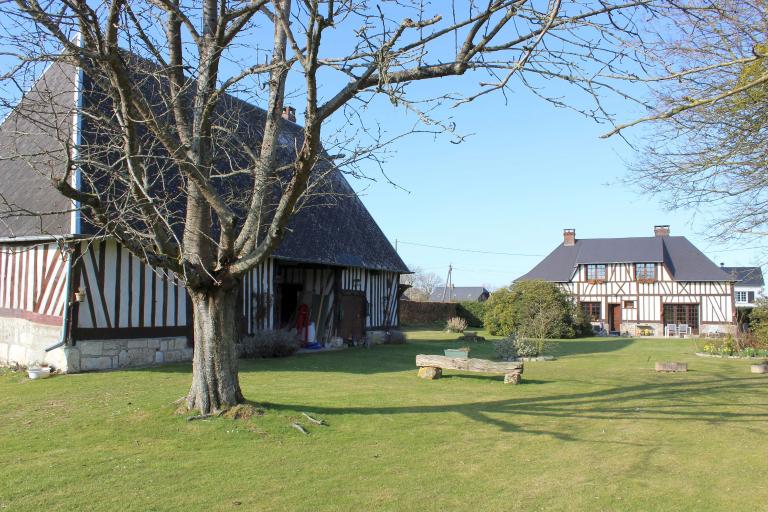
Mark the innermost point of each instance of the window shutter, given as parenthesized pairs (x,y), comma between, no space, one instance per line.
(751,297)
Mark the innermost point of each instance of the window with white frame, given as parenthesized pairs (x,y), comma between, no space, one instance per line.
(596,272)
(741,296)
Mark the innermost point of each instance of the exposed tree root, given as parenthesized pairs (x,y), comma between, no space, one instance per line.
(300,428)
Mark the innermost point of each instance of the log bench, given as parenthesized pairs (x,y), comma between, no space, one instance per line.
(431,367)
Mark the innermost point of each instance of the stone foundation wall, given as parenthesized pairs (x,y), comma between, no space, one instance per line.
(24,342)
(113,354)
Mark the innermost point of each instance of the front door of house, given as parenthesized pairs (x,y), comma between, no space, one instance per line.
(615,317)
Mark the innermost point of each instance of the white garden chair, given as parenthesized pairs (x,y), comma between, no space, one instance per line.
(683,329)
(670,330)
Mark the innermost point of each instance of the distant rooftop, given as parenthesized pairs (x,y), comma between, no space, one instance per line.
(746,276)
(458,293)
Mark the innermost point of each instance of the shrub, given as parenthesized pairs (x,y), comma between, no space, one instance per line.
(527,347)
(533,309)
(505,349)
(758,323)
(269,344)
(456,324)
(472,312)
(513,346)
(499,313)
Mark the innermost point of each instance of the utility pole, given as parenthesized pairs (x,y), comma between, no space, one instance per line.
(447,282)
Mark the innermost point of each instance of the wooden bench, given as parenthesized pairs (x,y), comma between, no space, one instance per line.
(431,367)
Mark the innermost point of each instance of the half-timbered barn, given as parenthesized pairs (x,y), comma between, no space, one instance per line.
(80,302)
(655,286)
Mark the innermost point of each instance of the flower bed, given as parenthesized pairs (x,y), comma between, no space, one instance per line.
(722,356)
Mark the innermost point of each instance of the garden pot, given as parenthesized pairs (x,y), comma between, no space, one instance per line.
(456,352)
(39,373)
(759,368)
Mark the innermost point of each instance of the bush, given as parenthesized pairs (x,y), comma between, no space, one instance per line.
(472,312)
(758,323)
(505,349)
(269,344)
(533,309)
(456,324)
(513,347)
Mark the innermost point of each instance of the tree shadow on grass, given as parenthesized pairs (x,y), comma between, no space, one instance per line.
(652,402)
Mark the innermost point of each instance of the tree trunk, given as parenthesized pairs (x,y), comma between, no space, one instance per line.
(215,385)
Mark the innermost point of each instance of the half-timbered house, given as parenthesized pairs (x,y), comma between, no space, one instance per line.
(658,286)
(80,301)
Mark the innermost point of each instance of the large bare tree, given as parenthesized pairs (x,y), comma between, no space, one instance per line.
(170,140)
(703,142)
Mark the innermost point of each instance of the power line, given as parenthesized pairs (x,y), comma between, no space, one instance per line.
(740,249)
(470,250)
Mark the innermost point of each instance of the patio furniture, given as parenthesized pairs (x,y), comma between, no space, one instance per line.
(670,330)
(683,329)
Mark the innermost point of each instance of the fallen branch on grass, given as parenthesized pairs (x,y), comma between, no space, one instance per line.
(314,420)
(300,428)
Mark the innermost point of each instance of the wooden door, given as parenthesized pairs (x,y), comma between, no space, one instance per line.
(615,320)
(352,325)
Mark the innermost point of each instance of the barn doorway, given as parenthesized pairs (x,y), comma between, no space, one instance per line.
(352,312)
(287,304)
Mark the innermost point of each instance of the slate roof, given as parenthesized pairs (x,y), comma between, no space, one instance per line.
(25,183)
(458,293)
(334,228)
(746,276)
(683,260)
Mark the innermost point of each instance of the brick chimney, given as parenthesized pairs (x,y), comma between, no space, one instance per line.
(569,237)
(662,230)
(289,114)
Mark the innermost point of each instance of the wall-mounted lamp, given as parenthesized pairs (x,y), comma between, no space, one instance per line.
(80,295)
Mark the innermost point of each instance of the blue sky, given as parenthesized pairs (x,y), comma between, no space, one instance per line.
(529,171)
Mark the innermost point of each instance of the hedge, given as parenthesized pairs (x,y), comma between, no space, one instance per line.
(472,312)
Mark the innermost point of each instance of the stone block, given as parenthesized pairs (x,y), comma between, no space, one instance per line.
(153,343)
(159,357)
(187,354)
(166,344)
(171,356)
(136,344)
(430,372)
(72,355)
(95,363)
(90,348)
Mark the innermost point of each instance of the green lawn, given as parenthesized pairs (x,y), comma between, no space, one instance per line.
(595,430)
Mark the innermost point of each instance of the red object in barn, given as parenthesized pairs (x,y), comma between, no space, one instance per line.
(302,322)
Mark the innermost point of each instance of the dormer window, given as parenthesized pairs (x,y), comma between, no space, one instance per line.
(645,271)
(595,272)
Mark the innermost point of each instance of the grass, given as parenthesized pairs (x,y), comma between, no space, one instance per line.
(595,430)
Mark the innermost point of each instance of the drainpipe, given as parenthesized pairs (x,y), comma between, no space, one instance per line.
(67,306)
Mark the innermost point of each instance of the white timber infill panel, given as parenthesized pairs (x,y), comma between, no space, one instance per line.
(121,291)
(33,281)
